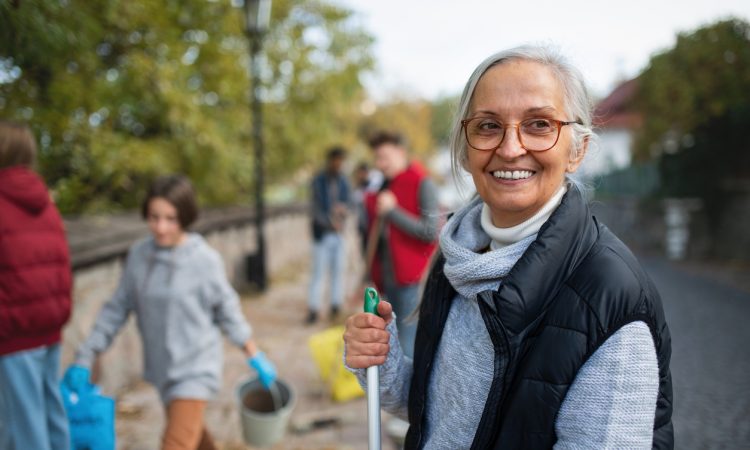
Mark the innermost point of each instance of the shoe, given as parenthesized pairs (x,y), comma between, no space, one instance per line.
(334,311)
(312,317)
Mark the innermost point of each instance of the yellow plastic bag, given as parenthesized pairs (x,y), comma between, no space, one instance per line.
(327,348)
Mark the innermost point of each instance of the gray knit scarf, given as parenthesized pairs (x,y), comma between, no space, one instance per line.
(468,267)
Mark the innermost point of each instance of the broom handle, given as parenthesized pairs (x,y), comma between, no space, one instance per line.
(373,382)
(373,407)
(372,244)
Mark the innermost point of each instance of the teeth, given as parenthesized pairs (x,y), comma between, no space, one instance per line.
(512,175)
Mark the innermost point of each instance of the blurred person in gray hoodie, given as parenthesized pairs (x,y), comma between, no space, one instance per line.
(176,285)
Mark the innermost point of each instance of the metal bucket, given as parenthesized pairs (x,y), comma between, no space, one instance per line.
(264,416)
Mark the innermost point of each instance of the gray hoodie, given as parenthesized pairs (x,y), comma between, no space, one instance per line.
(182,301)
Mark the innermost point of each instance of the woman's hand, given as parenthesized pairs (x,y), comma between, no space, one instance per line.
(265,368)
(366,339)
(76,378)
(260,362)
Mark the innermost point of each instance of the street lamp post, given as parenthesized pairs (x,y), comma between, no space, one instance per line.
(257,17)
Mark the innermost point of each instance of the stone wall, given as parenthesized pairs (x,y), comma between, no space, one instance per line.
(98,249)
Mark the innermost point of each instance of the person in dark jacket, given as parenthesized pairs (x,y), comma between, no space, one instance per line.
(35,292)
(538,328)
(330,201)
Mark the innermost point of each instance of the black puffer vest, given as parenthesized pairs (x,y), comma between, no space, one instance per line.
(575,286)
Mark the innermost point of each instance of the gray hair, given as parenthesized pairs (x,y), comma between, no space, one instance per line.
(578,103)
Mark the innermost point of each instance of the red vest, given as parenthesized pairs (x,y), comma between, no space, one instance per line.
(35,278)
(409,255)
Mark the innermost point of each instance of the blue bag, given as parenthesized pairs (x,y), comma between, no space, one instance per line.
(91,418)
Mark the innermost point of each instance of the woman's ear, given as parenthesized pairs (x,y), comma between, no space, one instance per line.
(576,159)
(465,161)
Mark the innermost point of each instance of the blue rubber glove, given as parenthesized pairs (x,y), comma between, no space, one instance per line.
(264,367)
(76,378)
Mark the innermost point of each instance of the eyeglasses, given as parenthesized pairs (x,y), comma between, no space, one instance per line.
(537,135)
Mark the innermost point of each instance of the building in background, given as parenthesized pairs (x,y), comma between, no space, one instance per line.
(615,121)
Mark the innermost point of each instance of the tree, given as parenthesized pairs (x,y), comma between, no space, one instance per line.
(443,115)
(410,117)
(703,78)
(316,54)
(119,91)
(695,99)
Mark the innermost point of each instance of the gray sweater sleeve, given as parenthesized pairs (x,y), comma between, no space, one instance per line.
(226,305)
(395,377)
(108,322)
(612,401)
(425,225)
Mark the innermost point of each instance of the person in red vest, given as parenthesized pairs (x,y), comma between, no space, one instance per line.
(405,212)
(35,292)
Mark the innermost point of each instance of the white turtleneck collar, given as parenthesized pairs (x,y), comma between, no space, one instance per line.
(502,237)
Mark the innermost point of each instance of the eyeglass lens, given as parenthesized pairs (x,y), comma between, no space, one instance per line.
(535,134)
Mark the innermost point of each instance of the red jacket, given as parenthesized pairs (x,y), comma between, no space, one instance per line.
(409,254)
(35,277)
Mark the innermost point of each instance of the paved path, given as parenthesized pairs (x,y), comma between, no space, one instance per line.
(710,325)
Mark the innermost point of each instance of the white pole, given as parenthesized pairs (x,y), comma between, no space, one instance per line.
(373,407)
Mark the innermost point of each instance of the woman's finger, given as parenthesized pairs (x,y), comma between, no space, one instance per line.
(385,310)
(365,320)
(363,362)
(366,335)
(361,349)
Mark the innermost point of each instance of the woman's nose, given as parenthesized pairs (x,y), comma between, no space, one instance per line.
(510,147)
(161,226)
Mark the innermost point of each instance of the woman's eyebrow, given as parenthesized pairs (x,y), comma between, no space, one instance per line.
(484,112)
(541,109)
(532,110)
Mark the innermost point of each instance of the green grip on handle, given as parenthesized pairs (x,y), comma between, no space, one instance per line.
(371,300)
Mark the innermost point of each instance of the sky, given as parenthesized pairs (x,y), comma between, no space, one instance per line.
(429,48)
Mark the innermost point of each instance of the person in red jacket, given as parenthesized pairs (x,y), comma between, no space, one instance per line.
(405,211)
(35,292)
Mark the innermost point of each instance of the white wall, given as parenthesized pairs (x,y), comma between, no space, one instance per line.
(610,153)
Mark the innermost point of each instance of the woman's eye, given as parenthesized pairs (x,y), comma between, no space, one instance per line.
(488,125)
(538,126)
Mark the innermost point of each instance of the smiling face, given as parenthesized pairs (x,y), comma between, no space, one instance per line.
(163,222)
(513,182)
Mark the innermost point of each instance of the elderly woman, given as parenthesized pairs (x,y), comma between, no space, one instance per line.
(537,328)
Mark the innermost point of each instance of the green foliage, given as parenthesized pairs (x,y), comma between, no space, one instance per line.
(410,117)
(695,99)
(119,91)
(443,114)
(315,56)
(701,79)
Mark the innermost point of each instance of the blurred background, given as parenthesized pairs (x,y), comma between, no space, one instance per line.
(117,92)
